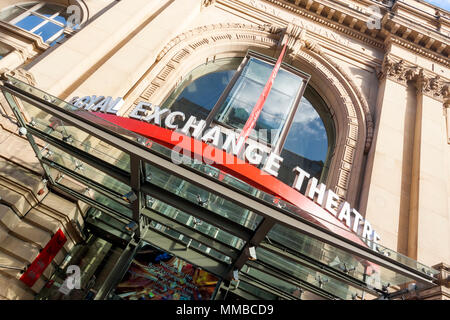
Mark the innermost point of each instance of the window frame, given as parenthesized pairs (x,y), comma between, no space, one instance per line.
(33,11)
(278,146)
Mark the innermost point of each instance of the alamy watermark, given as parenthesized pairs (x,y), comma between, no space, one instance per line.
(74,20)
(73,280)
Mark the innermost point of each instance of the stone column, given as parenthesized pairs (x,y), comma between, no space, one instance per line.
(385,194)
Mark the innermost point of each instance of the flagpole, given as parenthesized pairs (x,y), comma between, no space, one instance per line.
(254,115)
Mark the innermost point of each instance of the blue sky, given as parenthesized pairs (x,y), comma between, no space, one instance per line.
(440,3)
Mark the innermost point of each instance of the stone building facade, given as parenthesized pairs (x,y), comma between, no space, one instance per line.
(381,67)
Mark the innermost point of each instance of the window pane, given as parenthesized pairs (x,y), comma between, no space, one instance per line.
(48,30)
(27,6)
(60,19)
(10,13)
(194,100)
(57,40)
(29,22)
(306,145)
(201,88)
(242,99)
(49,10)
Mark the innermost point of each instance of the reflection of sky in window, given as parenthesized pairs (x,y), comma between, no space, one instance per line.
(29,22)
(56,40)
(206,90)
(242,99)
(48,30)
(307,136)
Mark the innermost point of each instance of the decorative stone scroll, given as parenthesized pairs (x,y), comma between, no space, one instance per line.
(425,81)
(20,74)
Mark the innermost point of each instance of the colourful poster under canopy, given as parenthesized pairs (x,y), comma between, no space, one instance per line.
(157,275)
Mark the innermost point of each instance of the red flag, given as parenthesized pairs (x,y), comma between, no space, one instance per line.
(44,258)
(253,118)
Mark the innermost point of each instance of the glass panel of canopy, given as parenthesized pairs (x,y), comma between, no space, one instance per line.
(85,161)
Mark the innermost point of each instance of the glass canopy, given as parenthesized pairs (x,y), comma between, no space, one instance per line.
(198,213)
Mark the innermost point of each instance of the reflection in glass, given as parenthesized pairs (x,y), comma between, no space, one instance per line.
(83,169)
(48,30)
(202,87)
(191,242)
(195,223)
(306,145)
(196,194)
(317,279)
(75,137)
(82,189)
(43,19)
(239,104)
(30,22)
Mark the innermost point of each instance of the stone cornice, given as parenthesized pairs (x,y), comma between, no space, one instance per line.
(352,18)
(319,18)
(417,49)
(19,73)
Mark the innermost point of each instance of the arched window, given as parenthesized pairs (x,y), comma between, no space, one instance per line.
(211,91)
(311,139)
(43,19)
(201,88)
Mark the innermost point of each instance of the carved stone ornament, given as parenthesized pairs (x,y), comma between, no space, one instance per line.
(426,82)
(206,3)
(20,74)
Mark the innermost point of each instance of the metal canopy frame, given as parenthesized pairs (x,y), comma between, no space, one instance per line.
(141,215)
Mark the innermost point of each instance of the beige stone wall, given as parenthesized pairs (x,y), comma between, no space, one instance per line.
(431,233)
(28,219)
(407,176)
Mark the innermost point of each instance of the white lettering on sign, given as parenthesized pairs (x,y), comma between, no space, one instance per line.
(254,153)
(98,104)
(329,201)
